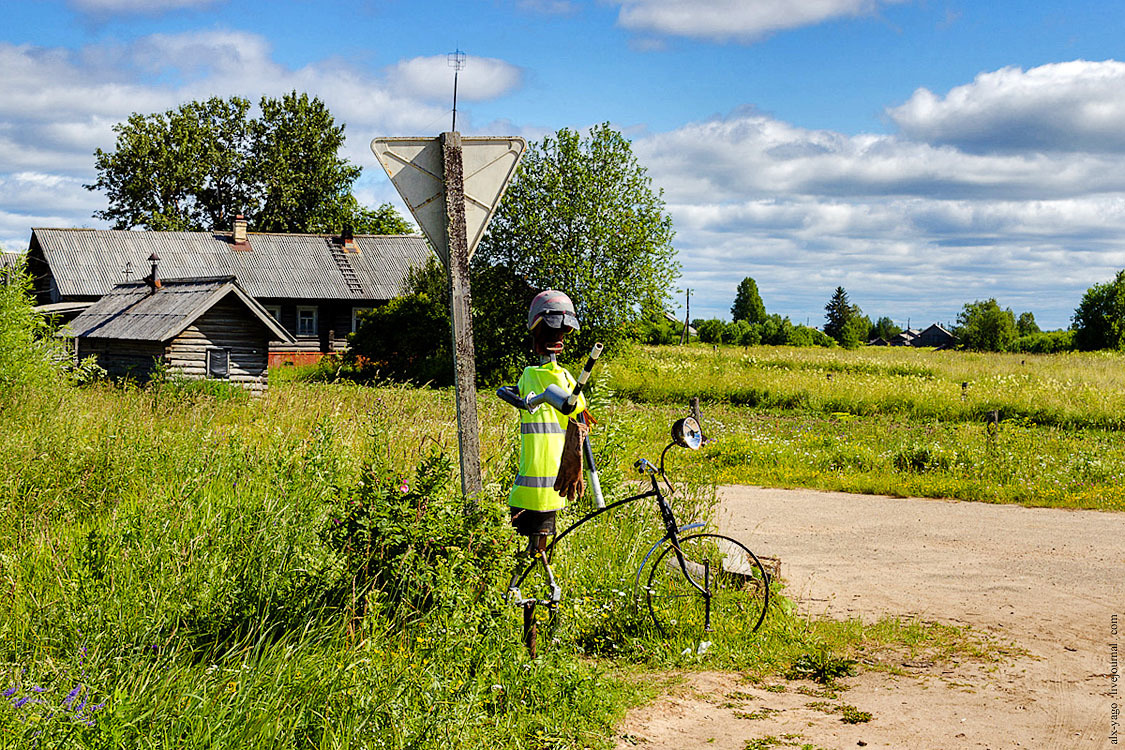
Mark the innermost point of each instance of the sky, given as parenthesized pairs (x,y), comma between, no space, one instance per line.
(922,154)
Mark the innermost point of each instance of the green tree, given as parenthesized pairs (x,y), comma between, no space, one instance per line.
(885,329)
(748,303)
(838,312)
(856,332)
(983,326)
(1099,319)
(582,216)
(195,167)
(1026,325)
(711,331)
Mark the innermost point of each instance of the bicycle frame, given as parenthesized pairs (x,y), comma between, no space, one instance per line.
(667,516)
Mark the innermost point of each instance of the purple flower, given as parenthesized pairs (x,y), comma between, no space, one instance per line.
(37,689)
(9,692)
(23,701)
(72,695)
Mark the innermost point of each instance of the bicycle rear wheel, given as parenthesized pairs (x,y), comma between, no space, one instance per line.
(735,587)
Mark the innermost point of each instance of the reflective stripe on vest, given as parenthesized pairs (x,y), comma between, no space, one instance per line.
(542,428)
(522,481)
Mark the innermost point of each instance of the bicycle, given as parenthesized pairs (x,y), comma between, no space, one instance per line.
(693,578)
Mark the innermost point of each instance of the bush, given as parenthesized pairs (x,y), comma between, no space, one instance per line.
(1047,342)
(734,333)
(711,331)
(805,336)
(29,355)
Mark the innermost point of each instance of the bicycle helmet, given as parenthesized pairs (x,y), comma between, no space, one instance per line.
(552,308)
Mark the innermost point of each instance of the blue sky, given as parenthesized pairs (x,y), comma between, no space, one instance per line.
(922,154)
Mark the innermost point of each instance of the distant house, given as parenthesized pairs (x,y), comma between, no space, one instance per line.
(673,319)
(314,285)
(9,262)
(906,338)
(935,336)
(198,328)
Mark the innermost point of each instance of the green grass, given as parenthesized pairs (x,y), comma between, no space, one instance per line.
(894,421)
(181,569)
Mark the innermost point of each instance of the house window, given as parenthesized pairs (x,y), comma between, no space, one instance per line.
(357,313)
(275,311)
(218,364)
(306,321)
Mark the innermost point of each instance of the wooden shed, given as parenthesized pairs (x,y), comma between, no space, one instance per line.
(206,327)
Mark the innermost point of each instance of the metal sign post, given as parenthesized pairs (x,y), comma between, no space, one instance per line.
(452,186)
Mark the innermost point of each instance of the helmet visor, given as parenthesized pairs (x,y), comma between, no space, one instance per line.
(558,319)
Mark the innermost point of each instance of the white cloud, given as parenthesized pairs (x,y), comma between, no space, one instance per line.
(909,229)
(432,78)
(736,20)
(1076,106)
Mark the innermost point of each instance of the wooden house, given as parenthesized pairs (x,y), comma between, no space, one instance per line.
(935,336)
(197,328)
(314,285)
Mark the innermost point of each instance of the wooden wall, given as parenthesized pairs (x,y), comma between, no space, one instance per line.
(227,325)
(123,359)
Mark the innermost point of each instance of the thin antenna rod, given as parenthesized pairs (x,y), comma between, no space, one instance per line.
(456,60)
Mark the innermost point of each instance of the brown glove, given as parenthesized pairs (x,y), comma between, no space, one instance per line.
(570,483)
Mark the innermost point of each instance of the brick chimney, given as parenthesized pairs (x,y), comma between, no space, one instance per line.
(347,239)
(240,238)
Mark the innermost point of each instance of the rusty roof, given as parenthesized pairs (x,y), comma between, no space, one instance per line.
(90,262)
(137,312)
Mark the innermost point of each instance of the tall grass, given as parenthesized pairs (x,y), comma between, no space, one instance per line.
(182,570)
(1071,390)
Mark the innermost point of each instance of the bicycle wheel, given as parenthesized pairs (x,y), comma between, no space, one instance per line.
(735,587)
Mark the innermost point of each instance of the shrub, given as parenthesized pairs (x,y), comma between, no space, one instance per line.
(805,336)
(711,331)
(734,333)
(1047,342)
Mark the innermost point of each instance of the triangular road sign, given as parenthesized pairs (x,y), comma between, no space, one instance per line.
(415,168)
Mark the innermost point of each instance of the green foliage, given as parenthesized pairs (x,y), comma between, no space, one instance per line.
(885,329)
(805,336)
(1026,325)
(748,305)
(736,332)
(582,216)
(710,331)
(195,167)
(855,332)
(1099,320)
(29,355)
(657,330)
(1046,342)
(839,312)
(410,338)
(984,327)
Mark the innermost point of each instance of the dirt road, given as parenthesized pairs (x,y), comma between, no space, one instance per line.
(1049,581)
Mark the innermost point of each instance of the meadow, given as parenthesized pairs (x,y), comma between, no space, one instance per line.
(183,566)
(899,421)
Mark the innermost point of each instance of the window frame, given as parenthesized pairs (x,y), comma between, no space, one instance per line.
(315,321)
(209,360)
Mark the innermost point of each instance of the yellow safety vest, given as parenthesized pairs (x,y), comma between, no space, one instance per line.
(542,435)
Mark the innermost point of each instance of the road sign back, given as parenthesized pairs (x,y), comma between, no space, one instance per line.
(415,168)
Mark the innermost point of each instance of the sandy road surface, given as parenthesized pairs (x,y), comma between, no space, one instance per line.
(1047,580)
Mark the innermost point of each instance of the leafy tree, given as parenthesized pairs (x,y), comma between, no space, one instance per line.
(1099,320)
(984,326)
(805,336)
(838,312)
(734,332)
(885,329)
(195,167)
(411,339)
(711,331)
(582,216)
(1026,325)
(855,332)
(748,303)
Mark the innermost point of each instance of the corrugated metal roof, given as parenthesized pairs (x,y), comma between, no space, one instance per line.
(10,260)
(90,262)
(135,312)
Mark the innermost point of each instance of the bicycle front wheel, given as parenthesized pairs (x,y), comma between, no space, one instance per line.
(715,584)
